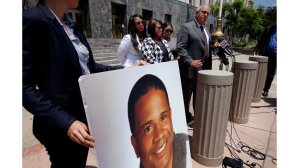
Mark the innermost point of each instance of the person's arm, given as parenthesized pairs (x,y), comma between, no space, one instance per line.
(124,48)
(103,68)
(35,101)
(182,42)
(170,55)
(148,51)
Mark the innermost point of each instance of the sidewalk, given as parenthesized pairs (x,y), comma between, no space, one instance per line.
(259,133)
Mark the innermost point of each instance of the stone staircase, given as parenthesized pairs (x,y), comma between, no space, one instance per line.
(105,50)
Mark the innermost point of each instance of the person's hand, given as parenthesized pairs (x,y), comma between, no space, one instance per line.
(78,132)
(196,63)
(139,63)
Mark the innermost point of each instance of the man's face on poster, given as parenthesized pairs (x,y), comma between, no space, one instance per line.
(153,137)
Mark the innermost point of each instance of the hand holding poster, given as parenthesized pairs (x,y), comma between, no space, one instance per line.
(136,116)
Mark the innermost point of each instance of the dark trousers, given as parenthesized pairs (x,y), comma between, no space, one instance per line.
(272,65)
(188,88)
(189,85)
(63,152)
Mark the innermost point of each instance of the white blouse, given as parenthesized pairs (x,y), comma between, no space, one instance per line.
(127,53)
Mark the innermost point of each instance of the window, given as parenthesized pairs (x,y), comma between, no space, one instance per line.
(147,14)
(168,18)
(118,12)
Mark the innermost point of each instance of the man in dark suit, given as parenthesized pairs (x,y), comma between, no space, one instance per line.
(195,55)
(55,54)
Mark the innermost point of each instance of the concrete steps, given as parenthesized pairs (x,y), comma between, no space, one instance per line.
(105,50)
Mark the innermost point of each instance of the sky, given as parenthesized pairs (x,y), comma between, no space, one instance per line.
(265,3)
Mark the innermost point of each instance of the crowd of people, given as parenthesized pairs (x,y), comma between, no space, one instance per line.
(137,47)
(56,53)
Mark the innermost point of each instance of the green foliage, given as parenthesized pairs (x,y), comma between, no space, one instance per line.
(244,43)
(240,43)
(214,9)
(270,15)
(242,20)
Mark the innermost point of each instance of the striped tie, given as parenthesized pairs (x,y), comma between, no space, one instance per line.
(203,36)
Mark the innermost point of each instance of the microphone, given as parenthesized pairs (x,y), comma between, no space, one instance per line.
(219,48)
(215,44)
(225,45)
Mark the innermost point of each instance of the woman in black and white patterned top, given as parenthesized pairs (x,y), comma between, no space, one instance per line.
(155,49)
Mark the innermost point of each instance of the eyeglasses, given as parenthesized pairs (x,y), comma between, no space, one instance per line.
(159,28)
(139,23)
(169,30)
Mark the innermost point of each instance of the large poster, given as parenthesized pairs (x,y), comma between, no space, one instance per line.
(136,116)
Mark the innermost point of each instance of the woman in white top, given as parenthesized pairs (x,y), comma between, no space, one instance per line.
(129,49)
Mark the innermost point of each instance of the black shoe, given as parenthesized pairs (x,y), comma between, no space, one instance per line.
(265,94)
(189,120)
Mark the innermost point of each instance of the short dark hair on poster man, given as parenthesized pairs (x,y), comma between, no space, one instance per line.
(140,88)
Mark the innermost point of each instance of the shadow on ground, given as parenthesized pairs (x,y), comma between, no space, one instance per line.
(272,102)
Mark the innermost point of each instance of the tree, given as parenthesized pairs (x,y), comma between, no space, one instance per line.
(241,20)
(270,15)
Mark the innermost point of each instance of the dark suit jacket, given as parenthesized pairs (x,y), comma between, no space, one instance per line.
(191,46)
(50,72)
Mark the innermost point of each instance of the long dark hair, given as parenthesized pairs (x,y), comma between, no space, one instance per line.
(132,30)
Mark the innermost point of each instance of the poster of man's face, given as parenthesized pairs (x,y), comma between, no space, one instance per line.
(136,117)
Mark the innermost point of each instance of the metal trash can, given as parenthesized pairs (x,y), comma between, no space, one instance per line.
(245,73)
(261,76)
(213,97)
